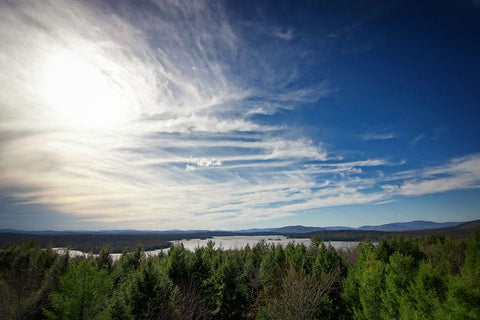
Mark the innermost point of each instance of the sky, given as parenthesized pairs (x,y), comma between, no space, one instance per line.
(177,114)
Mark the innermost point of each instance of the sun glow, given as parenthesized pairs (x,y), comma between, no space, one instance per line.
(80,93)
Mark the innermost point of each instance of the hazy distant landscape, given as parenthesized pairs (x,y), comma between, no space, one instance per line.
(117,241)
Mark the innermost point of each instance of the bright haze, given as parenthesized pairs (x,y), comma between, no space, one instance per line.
(237,114)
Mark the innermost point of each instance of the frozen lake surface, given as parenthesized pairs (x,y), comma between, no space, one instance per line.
(240,242)
(228,243)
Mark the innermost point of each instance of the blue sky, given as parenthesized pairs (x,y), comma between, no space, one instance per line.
(238,114)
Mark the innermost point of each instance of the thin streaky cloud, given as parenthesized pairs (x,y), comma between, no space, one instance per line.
(457,174)
(417,139)
(175,115)
(378,136)
(101,174)
(384,202)
(287,35)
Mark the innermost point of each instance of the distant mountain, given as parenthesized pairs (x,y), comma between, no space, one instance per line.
(255,230)
(298,229)
(469,226)
(106,232)
(133,231)
(397,226)
(43,232)
(410,226)
(338,228)
(464,228)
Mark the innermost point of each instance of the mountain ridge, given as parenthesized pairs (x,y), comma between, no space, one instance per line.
(296,229)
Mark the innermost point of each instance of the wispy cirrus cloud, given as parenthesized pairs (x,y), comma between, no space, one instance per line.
(169,76)
(417,139)
(144,116)
(459,173)
(378,136)
(285,35)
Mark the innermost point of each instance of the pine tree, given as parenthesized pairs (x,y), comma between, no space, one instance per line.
(83,295)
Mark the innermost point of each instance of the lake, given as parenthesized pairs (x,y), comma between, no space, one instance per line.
(229,243)
(240,242)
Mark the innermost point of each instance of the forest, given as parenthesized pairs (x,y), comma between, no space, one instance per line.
(432,277)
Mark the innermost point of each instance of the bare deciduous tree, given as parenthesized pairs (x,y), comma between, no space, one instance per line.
(301,295)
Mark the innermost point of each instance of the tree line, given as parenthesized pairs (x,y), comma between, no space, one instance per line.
(433,277)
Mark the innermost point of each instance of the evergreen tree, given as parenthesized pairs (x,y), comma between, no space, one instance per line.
(128,263)
(151,294)
(328,271)
(230,289)
(463,298)
(83,295)
(398,276)
(104,260)
(23,287)
(177,265)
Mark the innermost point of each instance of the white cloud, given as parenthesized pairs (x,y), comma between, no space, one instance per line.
(178,100)
(190,168)
(285,35)
(417,139)
(204,162)
(390,188)
(171,74)
(384,202)
(459,173)
(285,149)
(378,136)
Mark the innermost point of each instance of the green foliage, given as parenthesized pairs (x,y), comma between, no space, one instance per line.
(446,254)
(472,256)
(299,257)
(370,287)
(151,294)
(398,278)
(128,263)
(270,267)
(28,274)
(83,295)
(177,264)
(407,247)
(463,297)
(427,291)
(104,260)
(328,270)
(118,308)
(230,289)
(199,268)
(352,283)
(436,278)
(251,270)
(326,260)
(398,273)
